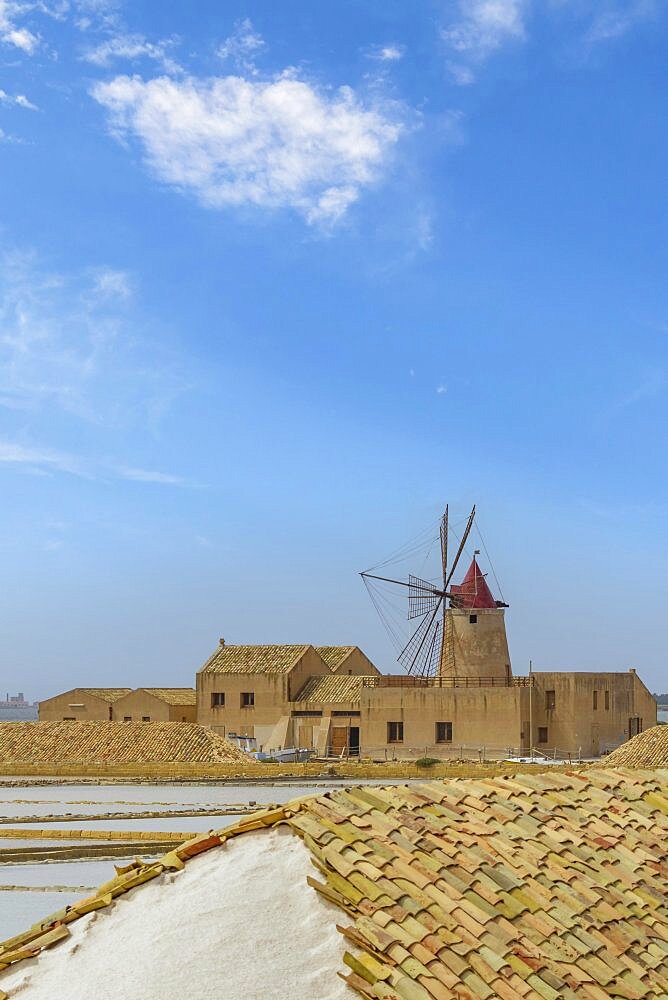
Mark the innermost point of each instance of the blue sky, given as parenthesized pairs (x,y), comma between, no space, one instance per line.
(279,280)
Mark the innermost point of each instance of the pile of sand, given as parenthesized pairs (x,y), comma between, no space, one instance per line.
(648,749)
(113,743)
(238,923)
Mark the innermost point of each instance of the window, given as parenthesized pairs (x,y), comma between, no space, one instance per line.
(607,701)
(542,734)
(595,702)
(635,726)
(473,619)
(69,718)
(550,700)
(146,718)
(444,732)
(127,718)
(305,714)
(217,699)
(395,732)
(247,699)
(346,713)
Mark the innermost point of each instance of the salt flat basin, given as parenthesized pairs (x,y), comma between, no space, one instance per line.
(165,824)
(19,910)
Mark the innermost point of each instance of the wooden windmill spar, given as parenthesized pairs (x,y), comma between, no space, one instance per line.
(422,655)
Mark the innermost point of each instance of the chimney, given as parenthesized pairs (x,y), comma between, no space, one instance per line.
(221,641)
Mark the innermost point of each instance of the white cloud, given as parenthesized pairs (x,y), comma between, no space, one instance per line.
(441,389)
(11,31)
(483,27)
(20,99)
(146,476)
(234,141)
(39,459)
(386,53)
(132,47)
(612,21)
(242,46)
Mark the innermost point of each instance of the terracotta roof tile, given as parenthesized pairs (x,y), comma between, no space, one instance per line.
(469,900)
(254,659)
(173,696)
(648,749)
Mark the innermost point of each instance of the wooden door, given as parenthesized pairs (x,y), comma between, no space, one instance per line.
(339,740)
(305,741)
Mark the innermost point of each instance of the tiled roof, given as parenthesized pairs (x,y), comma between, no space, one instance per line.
(107,694)
(253,659)
(332,688)
(112,743)
(173,696)
(334,655)
(532,887)
(648,749)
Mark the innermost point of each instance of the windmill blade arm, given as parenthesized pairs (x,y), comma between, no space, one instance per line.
(463,542)
(427,587)
(444,545)
(411,651)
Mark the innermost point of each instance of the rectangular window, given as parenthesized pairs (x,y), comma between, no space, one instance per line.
(127,718)
(346,713)
(542,734)
(247,699)
(69,718)
(146,718)
(306,714)
(217,699)
(635,726)
(550,700)
(473,619)
(595,701)
(607,701)
(395,732)
(444,732)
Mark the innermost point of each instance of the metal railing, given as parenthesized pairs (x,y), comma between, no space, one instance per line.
(399,681)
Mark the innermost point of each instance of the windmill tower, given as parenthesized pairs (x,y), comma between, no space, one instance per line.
(462,631)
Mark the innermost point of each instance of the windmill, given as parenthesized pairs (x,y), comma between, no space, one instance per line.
(422,654)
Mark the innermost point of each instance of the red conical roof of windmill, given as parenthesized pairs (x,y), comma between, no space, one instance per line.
(473,591)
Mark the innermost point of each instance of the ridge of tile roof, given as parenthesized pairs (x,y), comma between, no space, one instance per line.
(272,659)
(107,694)
(648,749)
(538,886)
(113,743)
(332,688)
(173,696)
(334,655)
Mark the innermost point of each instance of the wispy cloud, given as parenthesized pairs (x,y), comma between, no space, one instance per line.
(42,459)
(386,53)
(148,476)
(482,27)
(613,20)
(242,46)
(12,31)
(47,461)
(19,99)
(69,343)
(129,47)
(235,141)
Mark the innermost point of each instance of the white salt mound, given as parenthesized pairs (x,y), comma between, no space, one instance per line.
(238,923)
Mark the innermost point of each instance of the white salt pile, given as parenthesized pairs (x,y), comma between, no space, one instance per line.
(238,923)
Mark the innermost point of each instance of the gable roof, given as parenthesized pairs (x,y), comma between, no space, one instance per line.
(254,659)
(332,688)
(113,743)
(173,696)
(334,656)
(106,694)
(537,886)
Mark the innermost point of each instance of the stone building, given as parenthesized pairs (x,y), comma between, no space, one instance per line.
(334,700)
(82,705)
(157,705)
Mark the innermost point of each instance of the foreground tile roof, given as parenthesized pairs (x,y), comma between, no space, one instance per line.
(113,743)
(253,659)
(173,696)
(648,749)
(332,688)
(334,655)
(531,887)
